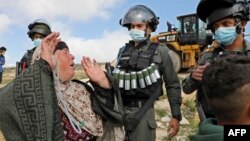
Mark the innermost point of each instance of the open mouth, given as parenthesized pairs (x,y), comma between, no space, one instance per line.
(72,65)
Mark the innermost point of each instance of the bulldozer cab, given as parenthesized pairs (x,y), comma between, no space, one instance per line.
(191,30)
(185,42)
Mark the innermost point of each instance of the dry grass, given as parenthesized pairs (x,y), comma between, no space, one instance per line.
(9,74)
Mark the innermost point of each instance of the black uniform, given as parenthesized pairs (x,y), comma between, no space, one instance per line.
(189,85)
(25,61)
(131,58)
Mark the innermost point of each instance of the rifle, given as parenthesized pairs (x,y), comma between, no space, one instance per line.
(200,111)
(132,122)
(109,68)
(20,66)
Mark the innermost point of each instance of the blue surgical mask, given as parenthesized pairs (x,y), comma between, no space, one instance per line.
(225,35)
(137,35)
(37,42)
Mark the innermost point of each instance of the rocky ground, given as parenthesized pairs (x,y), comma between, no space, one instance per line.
(188,125)
(190,120)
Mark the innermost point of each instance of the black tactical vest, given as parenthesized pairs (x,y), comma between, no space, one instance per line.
(137,59)
(26,60)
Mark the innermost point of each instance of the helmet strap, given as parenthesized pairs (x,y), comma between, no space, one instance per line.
(239,28)
(146,30)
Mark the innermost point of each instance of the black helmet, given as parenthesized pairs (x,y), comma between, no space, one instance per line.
(40,26)
(211,11)
(140,13)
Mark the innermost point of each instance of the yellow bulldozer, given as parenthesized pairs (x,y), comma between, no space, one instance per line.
(186,42)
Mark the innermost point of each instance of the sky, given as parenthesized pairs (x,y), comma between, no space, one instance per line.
(89,27)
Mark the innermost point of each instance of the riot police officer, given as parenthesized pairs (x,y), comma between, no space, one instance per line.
(38,30)
(141,68)
(227,19)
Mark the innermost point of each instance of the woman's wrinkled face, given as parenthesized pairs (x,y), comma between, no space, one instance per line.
(66,64)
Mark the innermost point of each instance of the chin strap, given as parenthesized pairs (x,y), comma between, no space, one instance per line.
(239,28)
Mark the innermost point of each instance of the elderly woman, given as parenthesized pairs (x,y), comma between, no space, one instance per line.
(42,103)
(79,120)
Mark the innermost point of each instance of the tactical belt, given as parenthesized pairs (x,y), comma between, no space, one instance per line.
(134,103)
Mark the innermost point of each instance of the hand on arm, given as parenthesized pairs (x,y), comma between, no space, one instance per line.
(95,73)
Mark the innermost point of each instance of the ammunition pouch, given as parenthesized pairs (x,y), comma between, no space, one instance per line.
(133,59)
(124,60)
(144,59)
(138,59)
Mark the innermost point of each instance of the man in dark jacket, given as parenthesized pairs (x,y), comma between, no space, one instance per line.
(38,30)
(227,19)
(230,102)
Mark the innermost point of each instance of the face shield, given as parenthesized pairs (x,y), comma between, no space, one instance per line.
(211,11)
(140,14)
(234,11)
